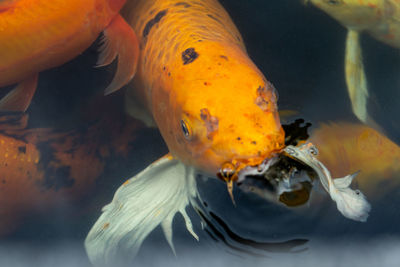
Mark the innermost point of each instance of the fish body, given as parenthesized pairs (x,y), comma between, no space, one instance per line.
(378,18)
(36,35)
(215,110)
(350,147)
(42,167)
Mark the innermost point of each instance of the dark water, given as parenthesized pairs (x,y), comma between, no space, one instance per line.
(300,50)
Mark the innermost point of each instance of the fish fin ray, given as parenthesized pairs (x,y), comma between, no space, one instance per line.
(149,199)
(355,76)
(119,40)
(13,121)
(107,53)
(19,98)
(166,226)
(189,225)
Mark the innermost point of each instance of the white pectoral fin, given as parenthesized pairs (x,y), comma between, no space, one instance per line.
(149,199)
(355,76)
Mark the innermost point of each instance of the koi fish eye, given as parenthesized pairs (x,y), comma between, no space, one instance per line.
(334,2)
(186,130)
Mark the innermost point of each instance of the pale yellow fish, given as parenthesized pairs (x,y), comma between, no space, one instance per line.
(378,18)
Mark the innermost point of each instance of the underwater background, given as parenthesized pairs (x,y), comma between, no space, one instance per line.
(300,50)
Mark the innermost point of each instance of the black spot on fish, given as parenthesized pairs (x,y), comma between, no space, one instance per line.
(153,22)
(224,57)
(184,4)
(22,149)
(253,142)
(189,55)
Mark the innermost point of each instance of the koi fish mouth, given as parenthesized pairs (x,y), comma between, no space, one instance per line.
(279,179)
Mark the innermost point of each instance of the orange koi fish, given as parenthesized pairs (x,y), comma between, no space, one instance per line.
(216,112)
(40,166)
(214,108)
(36,35)
(347,148)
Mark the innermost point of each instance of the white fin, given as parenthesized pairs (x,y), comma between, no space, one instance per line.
(355,76)
(149,199)
(351,203)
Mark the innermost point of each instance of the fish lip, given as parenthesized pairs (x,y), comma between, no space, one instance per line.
(255,170)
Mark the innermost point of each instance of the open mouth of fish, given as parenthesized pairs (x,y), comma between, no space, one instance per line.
(280,178)
(289,177)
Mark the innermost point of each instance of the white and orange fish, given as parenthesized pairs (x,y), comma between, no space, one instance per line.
(214,108)
(36,35)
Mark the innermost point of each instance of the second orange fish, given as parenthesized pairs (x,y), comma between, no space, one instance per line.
(36,35)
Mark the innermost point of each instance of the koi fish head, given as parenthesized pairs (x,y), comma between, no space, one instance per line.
(354,14)
(224,114)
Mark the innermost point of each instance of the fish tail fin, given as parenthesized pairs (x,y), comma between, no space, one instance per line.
(355,76)
(120,40)
(149,199)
